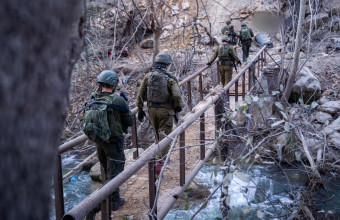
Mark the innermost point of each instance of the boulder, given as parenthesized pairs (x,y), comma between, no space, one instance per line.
(323,117)
(95,173)
(306,86)
(334,139)
(331,107)
(323,100)
(319,20)
(335,126)
(262,110)
(185,6)
(147,44)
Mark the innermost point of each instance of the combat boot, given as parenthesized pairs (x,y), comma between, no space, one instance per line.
(159,166)
(116,203)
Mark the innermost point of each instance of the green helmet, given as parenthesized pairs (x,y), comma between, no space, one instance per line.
(108,77)
(243,24)
(225,39)
(228,22)
(163,58)
(231,27)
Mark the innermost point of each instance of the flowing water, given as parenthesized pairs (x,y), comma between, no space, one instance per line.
(269,194)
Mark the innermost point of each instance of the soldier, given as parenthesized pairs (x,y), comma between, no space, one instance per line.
(225,29)
(232,35)
(227,57)
(160,89)
(118,117)
(246,35)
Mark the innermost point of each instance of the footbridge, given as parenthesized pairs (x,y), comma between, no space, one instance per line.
(235,91)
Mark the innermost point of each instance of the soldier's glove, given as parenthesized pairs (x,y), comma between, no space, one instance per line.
(239,63)
(124,95)
(141,116)
(178,109)
(208,64)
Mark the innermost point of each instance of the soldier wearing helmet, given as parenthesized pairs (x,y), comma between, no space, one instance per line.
(225,29)
(226,55)
(246,35)
(232,35)
(119,117)
(160,90)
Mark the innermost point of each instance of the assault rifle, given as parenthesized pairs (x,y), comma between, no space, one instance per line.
(232,60)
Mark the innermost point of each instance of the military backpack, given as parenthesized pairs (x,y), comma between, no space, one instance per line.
(157,91)
(96,123)
(245,34)
(223,53)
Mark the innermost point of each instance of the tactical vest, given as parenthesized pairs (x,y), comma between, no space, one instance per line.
(245,34)
(223,52)
(158,94)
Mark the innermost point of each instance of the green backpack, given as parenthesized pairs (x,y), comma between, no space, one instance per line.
(96,125)
(245,34)
(223,53)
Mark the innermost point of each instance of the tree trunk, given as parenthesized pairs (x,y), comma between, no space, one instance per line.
(294,72)
(40,42)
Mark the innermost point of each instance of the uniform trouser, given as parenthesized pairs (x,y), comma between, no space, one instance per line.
(245,49)
(162,121)
(226,72)
(112,159)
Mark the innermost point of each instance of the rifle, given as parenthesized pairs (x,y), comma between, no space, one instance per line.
(232,60)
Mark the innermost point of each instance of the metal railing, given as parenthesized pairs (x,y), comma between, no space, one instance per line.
(84,207)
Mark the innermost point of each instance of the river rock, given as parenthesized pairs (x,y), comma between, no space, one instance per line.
(331,107)
(323,100)
(185,6)
(306,86)
(319,20)
(323,117)
(195,187)
(262,110)
(95,173)
(147,44)
(335,126)
(334,139)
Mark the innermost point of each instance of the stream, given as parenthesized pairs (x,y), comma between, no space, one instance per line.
(268,195)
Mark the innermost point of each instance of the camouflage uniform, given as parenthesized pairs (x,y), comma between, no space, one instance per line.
(246,43)
(232,35)
(225,65)
(161,114)
(225,29)
(111,155)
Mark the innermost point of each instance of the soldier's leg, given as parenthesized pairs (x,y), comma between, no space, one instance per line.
(248,49)
(166,121)
(244,52)
(221,70)
(228,74)
(153,115)
(102,157)
(115,165)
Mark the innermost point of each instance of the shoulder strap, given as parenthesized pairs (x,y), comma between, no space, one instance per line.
(166,73)
(114,106)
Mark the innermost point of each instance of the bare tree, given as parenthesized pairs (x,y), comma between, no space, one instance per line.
(40,42)
(298,39)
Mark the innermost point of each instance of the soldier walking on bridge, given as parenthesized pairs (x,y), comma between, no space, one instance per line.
(246,35)
(225,29)
(160,89)
(106,118)
(227,57)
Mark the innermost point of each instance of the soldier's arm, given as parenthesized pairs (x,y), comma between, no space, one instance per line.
(141,97)
(176,93)
(126,117)
(234,54)
(251,32)
(213,58)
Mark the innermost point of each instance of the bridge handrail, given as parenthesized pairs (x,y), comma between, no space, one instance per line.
(85,206)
